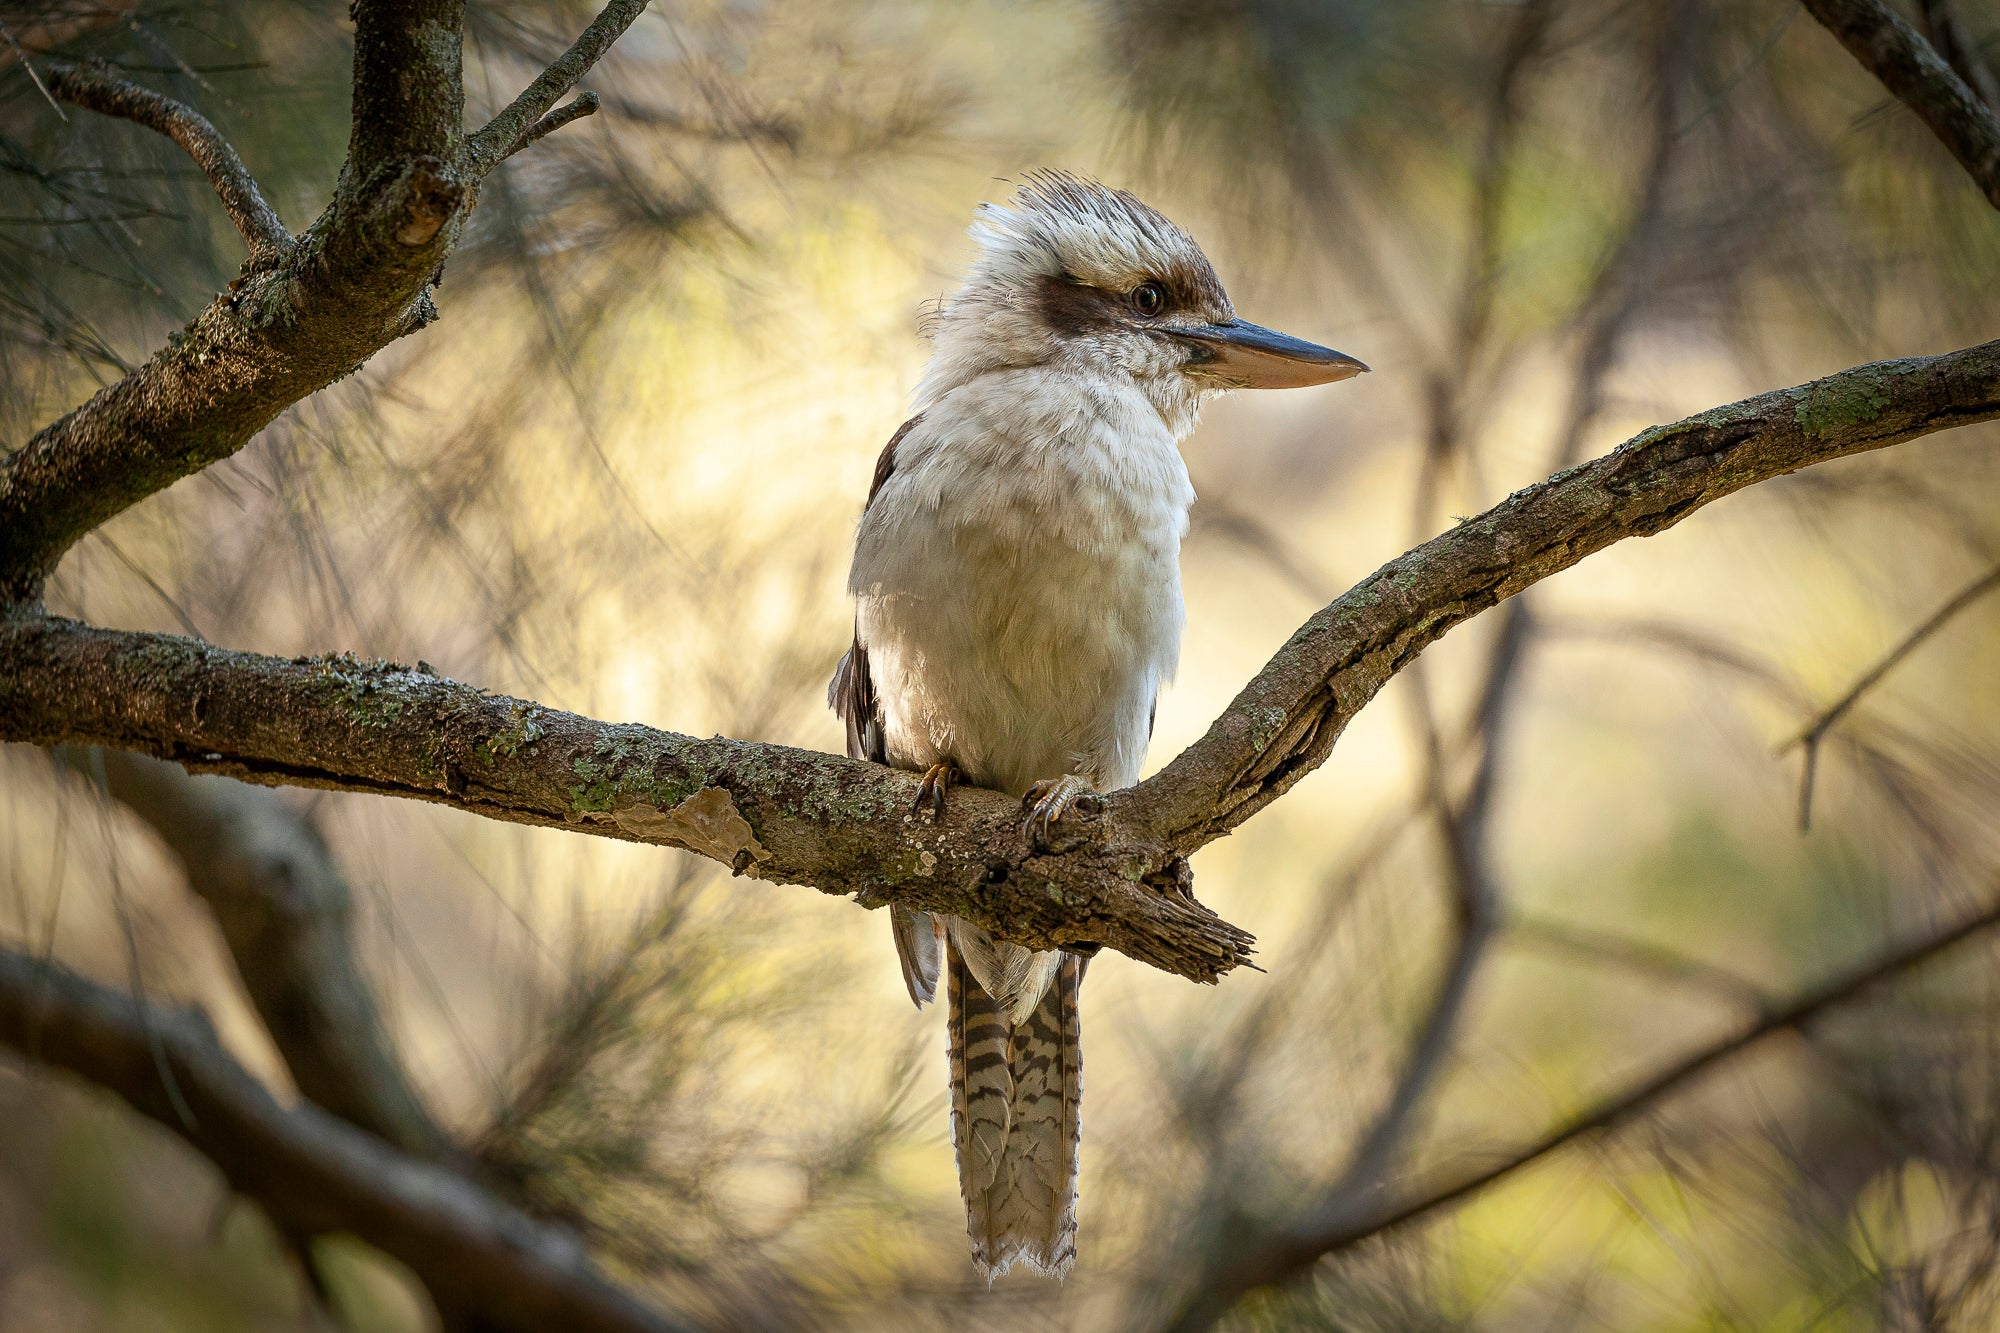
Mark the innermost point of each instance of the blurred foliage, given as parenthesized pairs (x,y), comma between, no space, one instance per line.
(620,476)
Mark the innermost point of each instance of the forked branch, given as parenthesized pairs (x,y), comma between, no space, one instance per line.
(1815,732)
(520,123)
(583,104)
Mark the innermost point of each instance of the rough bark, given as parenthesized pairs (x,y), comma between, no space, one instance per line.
(766,810)
(356,281)
(409,84)
(303,315)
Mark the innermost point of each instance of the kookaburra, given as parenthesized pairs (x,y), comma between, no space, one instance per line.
(1018,608)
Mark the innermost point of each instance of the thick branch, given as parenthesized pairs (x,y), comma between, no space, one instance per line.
(95,88)
(776,813)
(513,128)
(1285,722)
(286,914)
(1120,879)
(356,281)
(1908,66)
(1358,1216)
(310,1171)
(409,86)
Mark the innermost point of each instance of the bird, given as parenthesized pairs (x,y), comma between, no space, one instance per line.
(1017,610)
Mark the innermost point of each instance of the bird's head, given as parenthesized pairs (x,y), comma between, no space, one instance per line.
(1077,274)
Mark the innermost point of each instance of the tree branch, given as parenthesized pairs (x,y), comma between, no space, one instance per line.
(409,84)
(515,128)
(1605,314)
(1118,879)
(1947,33)
(309,1170)
(356,281)
(95,88)
(766,810)
(583,104)
(1357,1217)
(285,912)
(1285,722)
(1816,730)
(1907,65)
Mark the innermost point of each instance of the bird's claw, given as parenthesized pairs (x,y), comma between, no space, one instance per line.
(937,780)
(1047,802)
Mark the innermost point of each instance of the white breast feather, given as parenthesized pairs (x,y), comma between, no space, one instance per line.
(1018,579)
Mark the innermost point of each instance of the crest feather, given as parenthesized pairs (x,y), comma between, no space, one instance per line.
(1060,225)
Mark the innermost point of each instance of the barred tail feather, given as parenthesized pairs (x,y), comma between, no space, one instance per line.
(1015,1122)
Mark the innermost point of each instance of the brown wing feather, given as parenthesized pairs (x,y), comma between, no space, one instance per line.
(851,695)
(919,948)
(885,462)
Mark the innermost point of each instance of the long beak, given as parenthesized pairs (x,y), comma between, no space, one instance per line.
(1249,356)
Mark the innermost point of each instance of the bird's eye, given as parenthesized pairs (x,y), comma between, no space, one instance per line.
(1149,298)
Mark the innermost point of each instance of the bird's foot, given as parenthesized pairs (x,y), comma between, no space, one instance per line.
(937,780)
(1049,800)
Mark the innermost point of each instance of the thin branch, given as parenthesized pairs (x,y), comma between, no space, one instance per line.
(1447,383)
(94,87)
(514,127)
(1907,65)
(583,104)
(311,1171)
(1815,731)
(1462,821)
(14,49)
(1361,1217)
(1637,956)
(286,914)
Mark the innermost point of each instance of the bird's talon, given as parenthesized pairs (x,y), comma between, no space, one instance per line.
(1048,801)
(937,780)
